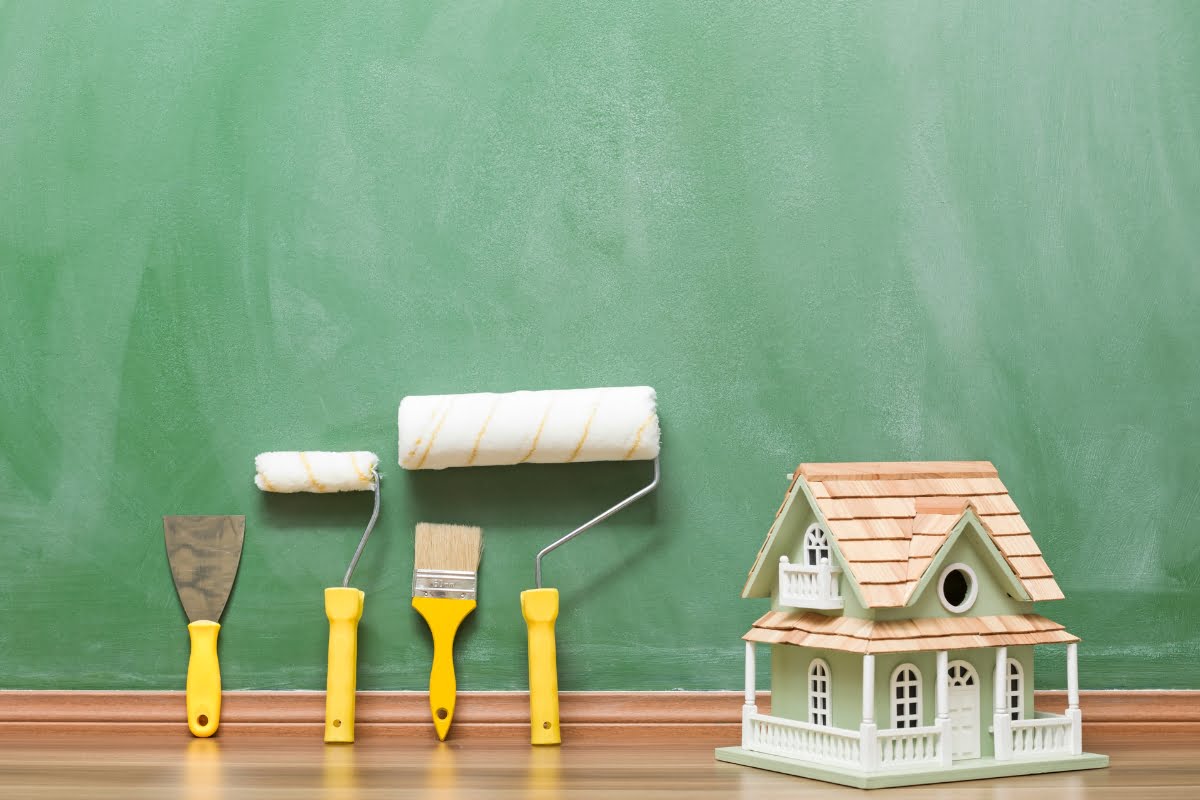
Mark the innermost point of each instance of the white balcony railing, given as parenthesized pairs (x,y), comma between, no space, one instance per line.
(909,747)
(794,739)
(803,586)
(1042,736)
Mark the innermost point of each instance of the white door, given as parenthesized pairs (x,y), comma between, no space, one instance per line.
(964,711)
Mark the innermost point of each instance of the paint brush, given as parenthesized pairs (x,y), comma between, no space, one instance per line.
(444,579)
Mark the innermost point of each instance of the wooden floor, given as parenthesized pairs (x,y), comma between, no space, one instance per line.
(79,766)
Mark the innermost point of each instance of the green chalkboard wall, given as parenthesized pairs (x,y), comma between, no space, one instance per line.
(822,231)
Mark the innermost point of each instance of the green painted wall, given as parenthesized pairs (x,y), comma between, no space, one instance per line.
(823,231)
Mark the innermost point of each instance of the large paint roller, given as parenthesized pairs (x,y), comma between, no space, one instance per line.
(322,473)
(548,427)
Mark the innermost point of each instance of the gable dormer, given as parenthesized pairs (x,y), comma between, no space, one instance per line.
(967,577)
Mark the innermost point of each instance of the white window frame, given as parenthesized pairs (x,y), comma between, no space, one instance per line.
(1016,697)
(910,687)
(820,688)
(816,546)
(969,675)
(972,589)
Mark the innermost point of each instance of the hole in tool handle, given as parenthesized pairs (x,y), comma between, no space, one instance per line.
(202,720)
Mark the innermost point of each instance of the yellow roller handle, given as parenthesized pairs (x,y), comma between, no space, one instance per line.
(443,615)
(203,679)
(344,607)
(540,609)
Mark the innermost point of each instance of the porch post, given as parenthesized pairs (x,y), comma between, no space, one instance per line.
(867,729)
(749,706)
(750,673)
(943,708)
(1001,716)
(1073,712)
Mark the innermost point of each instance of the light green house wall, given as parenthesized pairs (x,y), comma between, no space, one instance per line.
(789,684)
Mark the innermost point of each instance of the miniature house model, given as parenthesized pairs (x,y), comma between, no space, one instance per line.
(901,632)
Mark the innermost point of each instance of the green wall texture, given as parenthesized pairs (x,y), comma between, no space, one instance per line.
(822,231)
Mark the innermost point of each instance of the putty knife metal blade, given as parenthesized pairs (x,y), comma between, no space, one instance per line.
(204,553)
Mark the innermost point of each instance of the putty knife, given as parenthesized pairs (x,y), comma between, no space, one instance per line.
(204,552)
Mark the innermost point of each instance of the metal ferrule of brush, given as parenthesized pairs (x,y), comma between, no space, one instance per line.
(450,583)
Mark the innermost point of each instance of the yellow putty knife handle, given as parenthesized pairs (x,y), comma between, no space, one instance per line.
(344,607)
(540,609)
(443,615)
(203,679)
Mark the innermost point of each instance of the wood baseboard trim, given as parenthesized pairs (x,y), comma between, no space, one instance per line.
(501,714)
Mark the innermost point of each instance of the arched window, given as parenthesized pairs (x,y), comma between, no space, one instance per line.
(1016,689)
(961,674)
(818,692)
(816,545)
(906,697)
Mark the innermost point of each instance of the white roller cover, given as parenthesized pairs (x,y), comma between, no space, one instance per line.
(550,427)
(315,471)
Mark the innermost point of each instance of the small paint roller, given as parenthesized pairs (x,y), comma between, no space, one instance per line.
(322,473)
(546,427)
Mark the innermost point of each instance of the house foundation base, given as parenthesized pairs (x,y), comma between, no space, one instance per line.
(974,769)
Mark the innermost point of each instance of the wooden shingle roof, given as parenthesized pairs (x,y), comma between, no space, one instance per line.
(889,519)
(855,635)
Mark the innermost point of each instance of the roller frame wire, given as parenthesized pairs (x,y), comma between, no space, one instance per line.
(638,495)
(366,534)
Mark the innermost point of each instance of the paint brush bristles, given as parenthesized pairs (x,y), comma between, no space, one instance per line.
(447,558)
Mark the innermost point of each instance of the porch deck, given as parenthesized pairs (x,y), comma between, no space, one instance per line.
(973,769)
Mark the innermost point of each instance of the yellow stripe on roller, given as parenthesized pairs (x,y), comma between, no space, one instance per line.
(482,431)
(637,441)
(587,428)
(538,434)
(311,478)
(433,436)
(417,442)
(266,483)
(354,463)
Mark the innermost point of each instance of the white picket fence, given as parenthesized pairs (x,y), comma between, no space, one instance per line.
(794,739)
(909,747)
(1042,736)
(897,748)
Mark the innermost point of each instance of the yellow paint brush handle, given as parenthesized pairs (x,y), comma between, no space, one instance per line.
(540,609)
(203,679)
(443,615)
(344,608)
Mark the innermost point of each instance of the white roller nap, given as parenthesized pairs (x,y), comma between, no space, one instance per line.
(546,427)
(315,471)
